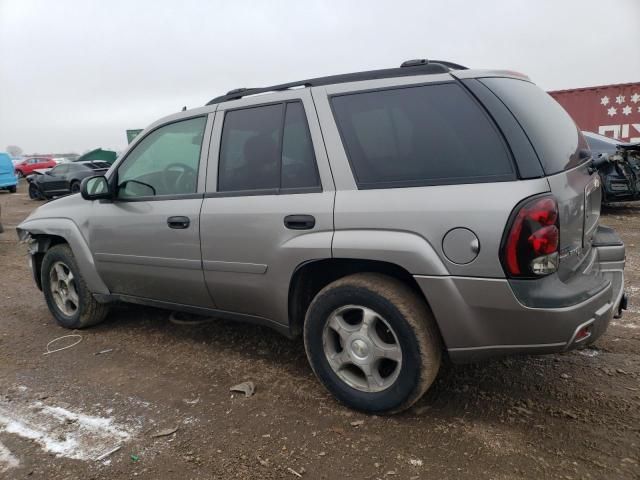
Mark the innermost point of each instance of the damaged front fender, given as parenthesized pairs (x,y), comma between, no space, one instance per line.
(40,234)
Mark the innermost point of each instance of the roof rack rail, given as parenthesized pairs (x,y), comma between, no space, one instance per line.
(408,68)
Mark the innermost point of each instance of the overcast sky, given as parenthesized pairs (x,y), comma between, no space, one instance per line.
(75,74)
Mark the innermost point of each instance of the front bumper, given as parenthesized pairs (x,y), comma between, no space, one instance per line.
(483,317)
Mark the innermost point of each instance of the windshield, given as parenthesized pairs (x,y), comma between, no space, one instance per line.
(554,135)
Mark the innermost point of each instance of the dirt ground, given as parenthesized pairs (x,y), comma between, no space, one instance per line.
(568,416)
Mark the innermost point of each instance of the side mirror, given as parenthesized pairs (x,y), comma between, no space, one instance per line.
(95,188)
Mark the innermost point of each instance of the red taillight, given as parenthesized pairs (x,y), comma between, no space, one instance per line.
(531,246)
(545,240)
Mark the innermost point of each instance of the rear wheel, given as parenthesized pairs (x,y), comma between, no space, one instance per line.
(66,292)
(12,189)
(372,342)
(75,187)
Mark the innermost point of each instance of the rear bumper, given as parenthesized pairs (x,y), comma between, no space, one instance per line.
(482,317)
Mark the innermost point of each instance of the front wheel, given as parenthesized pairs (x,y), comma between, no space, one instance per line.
(66,292)
(34,193)
(373,343)
(75,187)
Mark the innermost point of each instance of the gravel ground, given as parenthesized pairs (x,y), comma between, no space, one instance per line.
(572,415)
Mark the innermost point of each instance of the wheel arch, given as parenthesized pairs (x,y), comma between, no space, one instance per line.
(312,276)
(42,234)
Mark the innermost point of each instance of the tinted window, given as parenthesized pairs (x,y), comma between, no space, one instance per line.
(298,159)
(60,170)
(432,134)
(551,130)
(165,162)
(250,149)
(95,165)
(256,153)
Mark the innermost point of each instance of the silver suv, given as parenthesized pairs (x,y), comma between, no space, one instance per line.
(389,217)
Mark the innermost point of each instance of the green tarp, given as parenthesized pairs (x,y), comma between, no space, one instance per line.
(99,154)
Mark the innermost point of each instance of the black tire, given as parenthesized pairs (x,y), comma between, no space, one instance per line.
(75,187)
(412,324)
(12,189)
(88,312)
(34,193)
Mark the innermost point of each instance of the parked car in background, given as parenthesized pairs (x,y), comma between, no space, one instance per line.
(63,179)
(8,180)
(386,217)
(28,165)
(618,164)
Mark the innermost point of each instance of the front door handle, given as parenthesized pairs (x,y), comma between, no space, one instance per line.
(299,222)
(178,222)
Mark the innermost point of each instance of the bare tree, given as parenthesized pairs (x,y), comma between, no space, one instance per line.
(14,150)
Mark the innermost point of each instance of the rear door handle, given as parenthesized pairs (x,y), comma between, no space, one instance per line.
(178,222)
(299,222)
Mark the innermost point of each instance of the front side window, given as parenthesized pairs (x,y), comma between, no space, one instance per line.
(165,162)
(422,135)
(261,150)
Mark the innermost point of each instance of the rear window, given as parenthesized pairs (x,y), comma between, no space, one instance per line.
(552,132)
(98,165)
(424,135)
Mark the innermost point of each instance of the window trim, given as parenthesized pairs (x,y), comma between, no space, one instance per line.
(113,179)
(269,191)
(360,185)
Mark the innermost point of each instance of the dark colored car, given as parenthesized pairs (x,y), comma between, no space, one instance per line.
(28,165)
(618,164)
(63,179)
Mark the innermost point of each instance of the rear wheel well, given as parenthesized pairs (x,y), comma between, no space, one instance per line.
(311,277)
(45,242)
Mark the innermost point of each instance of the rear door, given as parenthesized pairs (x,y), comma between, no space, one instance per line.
(564,154)
(269,202)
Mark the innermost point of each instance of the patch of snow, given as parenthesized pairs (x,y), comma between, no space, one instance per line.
(63,432)
(7,459)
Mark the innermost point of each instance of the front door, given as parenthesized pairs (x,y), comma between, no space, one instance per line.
(269,202)
(146,242)
(54,182)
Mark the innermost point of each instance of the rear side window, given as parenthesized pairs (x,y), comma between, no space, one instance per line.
(552,132)
(425,135)
(265,148)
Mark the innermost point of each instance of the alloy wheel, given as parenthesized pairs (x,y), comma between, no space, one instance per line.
(362,349)
(63,289)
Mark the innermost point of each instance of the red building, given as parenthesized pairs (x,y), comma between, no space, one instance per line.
(611,110)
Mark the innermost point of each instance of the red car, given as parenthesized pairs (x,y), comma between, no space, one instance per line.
(28,165)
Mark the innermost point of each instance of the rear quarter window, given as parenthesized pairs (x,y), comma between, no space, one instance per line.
(423,135)
(552,132)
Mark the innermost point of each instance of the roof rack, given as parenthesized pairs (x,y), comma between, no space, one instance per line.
(408,68)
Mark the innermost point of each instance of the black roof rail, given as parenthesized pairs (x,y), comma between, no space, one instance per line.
(408,68)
